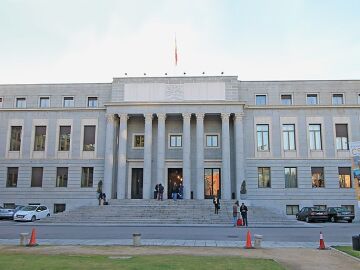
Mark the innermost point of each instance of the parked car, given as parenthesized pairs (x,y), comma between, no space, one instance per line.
(32,213)
(310,214)
(9,213)
(339,213)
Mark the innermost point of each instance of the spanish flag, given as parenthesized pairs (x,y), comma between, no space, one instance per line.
(176,54)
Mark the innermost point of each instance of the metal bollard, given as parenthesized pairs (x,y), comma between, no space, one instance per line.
(257,241)
(23,239)
(137,239)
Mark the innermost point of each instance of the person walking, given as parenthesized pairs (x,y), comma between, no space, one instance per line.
(243,211)
(216,202)
(235,212)
(156,191)
(161,192)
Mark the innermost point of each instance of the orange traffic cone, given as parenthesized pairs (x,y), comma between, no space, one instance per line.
(32,242)
(322,243)
(248,240)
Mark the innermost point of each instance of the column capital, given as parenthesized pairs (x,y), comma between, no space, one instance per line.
(161,116)
(186,116)
(148,116)
(239,116)
(200,115)
(110,117)
(225,116)
(123,117)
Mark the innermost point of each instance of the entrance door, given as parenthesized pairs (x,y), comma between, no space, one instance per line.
(174,176)
(137,183)
(212,183)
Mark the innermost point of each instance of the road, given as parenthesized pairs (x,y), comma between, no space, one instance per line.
(337,232)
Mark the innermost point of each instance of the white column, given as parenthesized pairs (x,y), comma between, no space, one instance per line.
(109,155)
(239,152)
(121,179)
(225,147)
(147,157)
(186,155)
(200,156)
(160,177)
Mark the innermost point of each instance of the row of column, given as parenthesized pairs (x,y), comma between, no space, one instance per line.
(160,168)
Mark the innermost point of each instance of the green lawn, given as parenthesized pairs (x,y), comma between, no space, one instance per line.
(349,251)
(61,262)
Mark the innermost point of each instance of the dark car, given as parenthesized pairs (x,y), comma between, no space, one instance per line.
(339,213)
(310,214)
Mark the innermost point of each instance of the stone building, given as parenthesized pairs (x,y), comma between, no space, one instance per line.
(288,140)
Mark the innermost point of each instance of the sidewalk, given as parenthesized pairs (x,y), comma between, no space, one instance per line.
(175,243)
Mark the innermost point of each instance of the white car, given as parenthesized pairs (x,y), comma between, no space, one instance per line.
(32,213)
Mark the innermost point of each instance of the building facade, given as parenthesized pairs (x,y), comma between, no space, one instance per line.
(288,140)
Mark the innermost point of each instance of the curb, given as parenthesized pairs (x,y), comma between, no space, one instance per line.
(344,253)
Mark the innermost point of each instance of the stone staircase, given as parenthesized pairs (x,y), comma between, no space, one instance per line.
(165,212)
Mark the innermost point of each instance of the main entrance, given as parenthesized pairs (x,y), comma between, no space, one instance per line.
(212,183)
(137,183)
(174,177)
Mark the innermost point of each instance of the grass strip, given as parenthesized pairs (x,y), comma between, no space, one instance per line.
(349,250)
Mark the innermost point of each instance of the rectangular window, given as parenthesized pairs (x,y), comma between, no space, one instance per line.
(87,177)
(15,140)
(358,98)
(68,102)
(212,141)
(341,136)
(320,206)
(20,102)
(89,138)
(64,138)
(345,177)
(264,177)
(59,207)
(12,176)
(286,100)
(292,209)
(317,176)
(138,141)
(291,177)
(315,136)
(92,102)
(1,102)
(40,137)
(212,184)
(36,177)
(337,99)
(175,140)
(61,176)
(289,136)
(262,137)
(260,99)
(44,102)
(312,99)
(351,208)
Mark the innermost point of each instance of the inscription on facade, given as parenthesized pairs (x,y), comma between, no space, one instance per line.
(174,92)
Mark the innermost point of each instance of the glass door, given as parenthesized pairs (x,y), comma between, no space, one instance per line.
(137,183)
(212,183)
(174,179)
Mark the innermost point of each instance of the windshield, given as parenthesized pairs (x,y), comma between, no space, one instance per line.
(29,208)
(316,209)
(341,209)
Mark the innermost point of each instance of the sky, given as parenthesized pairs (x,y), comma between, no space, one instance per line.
(64,41)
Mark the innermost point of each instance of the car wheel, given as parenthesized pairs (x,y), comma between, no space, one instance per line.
(48,215)
(350,221)
(307,219)
(33,218)
(332,219)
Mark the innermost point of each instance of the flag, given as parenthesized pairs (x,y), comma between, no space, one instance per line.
(176,54)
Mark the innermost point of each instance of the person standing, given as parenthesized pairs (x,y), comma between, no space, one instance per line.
(156,191)
(174,192)
(235,212)
(243,211)
(181,191)
(161,192)
(216,202)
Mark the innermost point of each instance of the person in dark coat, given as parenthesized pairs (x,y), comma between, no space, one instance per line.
(161,192)
(243,212)
(216,202)
(175,191)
